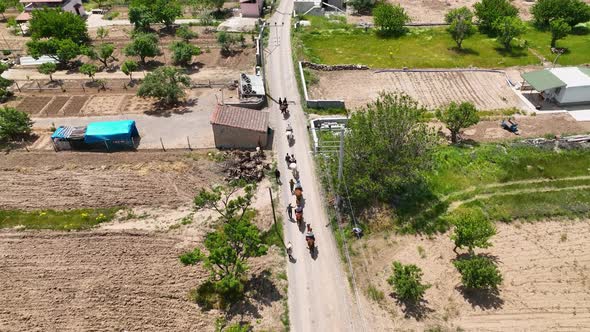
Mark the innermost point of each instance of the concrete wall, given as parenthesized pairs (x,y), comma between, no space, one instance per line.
(251,9)
(323,103)
(229,137)
(302,7)
(575,95)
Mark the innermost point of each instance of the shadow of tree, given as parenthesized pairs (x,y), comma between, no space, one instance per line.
(484,299)
(260,291)
(464,51)
(417,310)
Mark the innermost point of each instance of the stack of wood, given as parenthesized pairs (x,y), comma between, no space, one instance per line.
(245,165)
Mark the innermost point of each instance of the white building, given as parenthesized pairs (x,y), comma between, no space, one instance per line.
(565,86)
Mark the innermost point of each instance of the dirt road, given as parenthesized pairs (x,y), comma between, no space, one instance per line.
(319,295)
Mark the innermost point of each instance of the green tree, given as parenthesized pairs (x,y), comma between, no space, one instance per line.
(407,282)
(508,28)
(182,53)
(128,67)
(143,13)
(572,12)
(165,84)
(89,69)
(143,45)
(457,117)
(104,54)
(14,124)
(226,41)
(362,6)
(390,19)
(217,4)
(4,84)
(55,23)
(102,33)
(3,7)
(48,68)
(559,30)
(460,24)
(489,11)
(478,272)
(166,11)
(472,229)
(224,200)
(388,147)
(185,33)
(62,50)
(140,16)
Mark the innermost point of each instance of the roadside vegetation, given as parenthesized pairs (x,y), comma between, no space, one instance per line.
(65,220)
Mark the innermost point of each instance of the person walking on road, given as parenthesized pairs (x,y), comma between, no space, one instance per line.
(278,175)
(291,185)
(293,159)
(290,211)
(290,251)
(288,160)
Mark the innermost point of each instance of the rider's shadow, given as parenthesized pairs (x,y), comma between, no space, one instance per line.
(315,253)
(301,227)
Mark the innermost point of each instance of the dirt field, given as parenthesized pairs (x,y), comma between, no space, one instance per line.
(42,180)
(486,90)
(117,281)
(433,11)
(545,266)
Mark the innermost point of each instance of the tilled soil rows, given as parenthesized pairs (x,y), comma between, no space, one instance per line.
(96,281)
(486,90)
(73,180)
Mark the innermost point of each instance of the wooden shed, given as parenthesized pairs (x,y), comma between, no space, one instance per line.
(236,127)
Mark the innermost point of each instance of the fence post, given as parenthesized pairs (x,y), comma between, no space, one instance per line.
(162,144)
(189,144)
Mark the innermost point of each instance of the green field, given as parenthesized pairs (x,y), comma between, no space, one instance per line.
(78,219)
(332,42)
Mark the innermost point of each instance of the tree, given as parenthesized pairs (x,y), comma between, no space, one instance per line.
(165,84)
(472,230)
(182,53)
(407,282)
(142,13)
(105,53)
(362,6)
(3,7)
(55,23)
(230,246)
(508,28)
(89,69)
(185,33)
(14,124)
(478,272)
(140,16)
(489,11)
(166,11)
(143,45)
(102,33)
(48,68)
(390,19)
(458,116)
(4,84)
(128,67)
(559,30)
(388,147)
(226,41)
(572,12)
(62,50)
(460,24)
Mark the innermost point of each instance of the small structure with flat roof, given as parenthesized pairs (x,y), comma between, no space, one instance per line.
(236,127)
(565,85)
(106,134)
(72,6)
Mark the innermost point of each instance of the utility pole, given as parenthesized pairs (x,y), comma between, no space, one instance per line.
(341,156)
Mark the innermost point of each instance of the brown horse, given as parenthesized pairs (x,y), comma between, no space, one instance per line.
(310,243)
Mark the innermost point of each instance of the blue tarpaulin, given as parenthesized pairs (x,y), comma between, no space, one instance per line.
(110,131)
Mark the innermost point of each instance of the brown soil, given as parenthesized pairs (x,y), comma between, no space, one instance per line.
(432,90)
(33,105)
(104,105)
(75,105)
(117,281)
(56,104)
(41,180)
(545,288)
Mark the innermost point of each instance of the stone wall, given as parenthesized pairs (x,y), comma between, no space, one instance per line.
(316,66)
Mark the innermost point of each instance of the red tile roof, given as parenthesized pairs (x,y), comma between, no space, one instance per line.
(238,117)
(23,17)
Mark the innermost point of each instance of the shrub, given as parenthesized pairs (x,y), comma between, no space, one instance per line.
(375,294)
(14,123)
(390,19)
(406,282)
(191,257)
(508,28)
(472,230)
(489,11)
(478,272)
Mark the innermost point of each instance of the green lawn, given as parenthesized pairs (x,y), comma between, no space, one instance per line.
(78,219)
(337,43)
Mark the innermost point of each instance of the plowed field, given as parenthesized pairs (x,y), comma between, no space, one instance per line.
(357,88)
(75,180)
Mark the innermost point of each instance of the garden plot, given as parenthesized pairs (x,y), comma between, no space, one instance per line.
(56,104)
(104,105)
(33,104)
(74,106)
(545,266)
(486,90)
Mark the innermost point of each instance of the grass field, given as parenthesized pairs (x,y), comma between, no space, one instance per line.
(334,42)
(56,220)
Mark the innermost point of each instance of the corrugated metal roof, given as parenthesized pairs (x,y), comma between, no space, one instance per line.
(238,117)
(543,80)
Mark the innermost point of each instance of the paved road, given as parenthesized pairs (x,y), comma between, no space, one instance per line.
(319,294)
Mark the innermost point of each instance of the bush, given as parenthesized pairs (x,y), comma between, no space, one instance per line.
(14,123)
(191,257)
(182,53)
(571,11)
(472,230)
(375,294)
(460,24)
(406,282)
(390,19)
(508,28)
(478,272)
(362,6)
(489,11)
